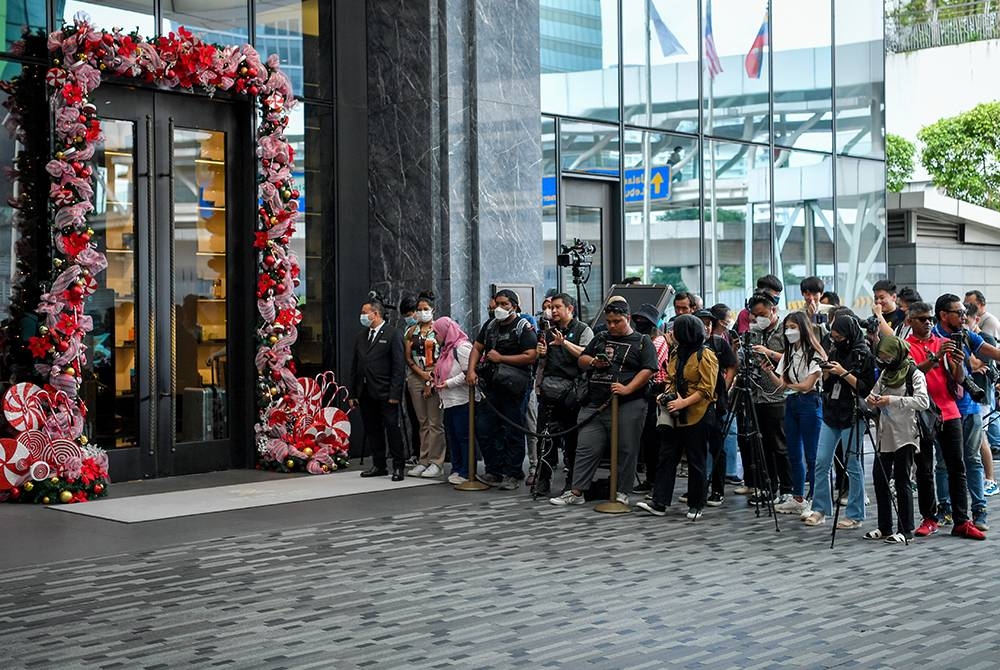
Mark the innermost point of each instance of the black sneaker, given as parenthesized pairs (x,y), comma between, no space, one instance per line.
(734,481)
(759,499)
(684,497)
(715,500)
(542,487)
(651,508)
(643,487)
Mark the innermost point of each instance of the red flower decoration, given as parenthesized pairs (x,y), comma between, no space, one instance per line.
(40,346)
(79,496)
(72,94)
(260,240)
(74,243)
(127,47)
(66,324)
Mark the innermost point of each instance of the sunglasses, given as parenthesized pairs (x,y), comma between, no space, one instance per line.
(923,319)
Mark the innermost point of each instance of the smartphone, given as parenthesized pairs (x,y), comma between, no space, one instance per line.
(958,338)
(825,364)
(603,357)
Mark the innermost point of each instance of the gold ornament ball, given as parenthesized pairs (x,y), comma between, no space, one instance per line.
(326,468)
(273,339)
(65,497)
(333,467)
(29,486)
(290,463)
(70,371)
(84,440)
(308,451)
(43,330)
(54,480)
(45,500)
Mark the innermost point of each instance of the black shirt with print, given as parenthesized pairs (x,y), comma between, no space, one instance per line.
(629,355)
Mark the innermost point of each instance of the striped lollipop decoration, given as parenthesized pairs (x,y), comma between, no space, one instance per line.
(34,440)
(14,459)
(57,452)
(312,394)
(23,407)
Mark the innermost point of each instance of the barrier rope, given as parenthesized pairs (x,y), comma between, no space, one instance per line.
(543,435)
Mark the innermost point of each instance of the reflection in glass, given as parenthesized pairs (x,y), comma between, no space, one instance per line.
(589,147)
(579,58)
(663,221)
(308,124)
(128,14)
(803,74)
(200,286)
(8,235)
(737,197)
(111,394)
(860,85)
(19,15)
(214,21)
(291,29)
(861,239)
(736,101)
(549,203)
(660,66)
(803,219)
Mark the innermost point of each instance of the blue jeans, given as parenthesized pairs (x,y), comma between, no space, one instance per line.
(803,417)
(732,452)
(827,446)
(993,427)
(972,437)
(456,434)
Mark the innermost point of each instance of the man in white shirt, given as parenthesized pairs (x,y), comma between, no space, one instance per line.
(988,323)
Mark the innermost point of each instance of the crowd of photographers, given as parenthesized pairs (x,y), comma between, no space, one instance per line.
(779,408)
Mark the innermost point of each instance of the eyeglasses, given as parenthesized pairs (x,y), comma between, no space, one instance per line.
(923,319)
(960,312)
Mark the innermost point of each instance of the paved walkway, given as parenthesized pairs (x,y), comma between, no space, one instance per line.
(439,579)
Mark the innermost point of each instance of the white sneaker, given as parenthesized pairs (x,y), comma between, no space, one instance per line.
(743,490)
(790,506)
(623,498)
(431,471)
(567,498)
(807,511)
(417,471)
(693,514)
(456,479)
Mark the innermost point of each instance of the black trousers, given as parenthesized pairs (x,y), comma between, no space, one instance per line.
(949,441)
(649,442)
(381,421)
(717,451)
(674,442)
(558,418)
(896,464)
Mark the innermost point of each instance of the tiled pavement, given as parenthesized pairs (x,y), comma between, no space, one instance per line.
(494,580)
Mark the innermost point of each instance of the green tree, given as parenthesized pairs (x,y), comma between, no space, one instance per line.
(962,154)
(898,162)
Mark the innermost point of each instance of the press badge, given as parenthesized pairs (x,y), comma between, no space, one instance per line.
(835,393)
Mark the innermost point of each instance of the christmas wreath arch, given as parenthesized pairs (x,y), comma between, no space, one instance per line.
(299,423)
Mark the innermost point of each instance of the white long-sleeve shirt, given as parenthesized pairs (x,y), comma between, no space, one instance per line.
(897,423)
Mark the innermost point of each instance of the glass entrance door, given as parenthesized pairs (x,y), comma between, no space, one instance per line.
(163,360)
(587,215)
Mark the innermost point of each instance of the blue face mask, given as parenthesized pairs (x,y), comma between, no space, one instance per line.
(410,321)
(366,321)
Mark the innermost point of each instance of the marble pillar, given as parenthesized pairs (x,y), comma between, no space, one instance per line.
(454,149)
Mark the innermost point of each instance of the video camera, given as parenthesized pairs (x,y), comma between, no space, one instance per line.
(576,255)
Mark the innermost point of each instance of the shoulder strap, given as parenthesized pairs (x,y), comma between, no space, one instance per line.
(909,380)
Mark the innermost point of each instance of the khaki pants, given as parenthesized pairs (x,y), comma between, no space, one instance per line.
(430,418)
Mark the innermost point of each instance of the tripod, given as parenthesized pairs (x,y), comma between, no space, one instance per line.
(748,428)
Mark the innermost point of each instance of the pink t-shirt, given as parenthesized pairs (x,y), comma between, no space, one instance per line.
(937,384)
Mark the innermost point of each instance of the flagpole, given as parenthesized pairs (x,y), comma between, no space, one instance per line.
(713,281)
(646,172)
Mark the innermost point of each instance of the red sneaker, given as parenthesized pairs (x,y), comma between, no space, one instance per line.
(968,530)
(927,527)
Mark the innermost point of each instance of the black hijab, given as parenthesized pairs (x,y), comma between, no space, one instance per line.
(689,332)
(847,326)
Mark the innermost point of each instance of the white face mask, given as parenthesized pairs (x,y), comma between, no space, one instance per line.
(366,320)
(547,313)
(425,316)
(762,322)
(792,335)
(500,314)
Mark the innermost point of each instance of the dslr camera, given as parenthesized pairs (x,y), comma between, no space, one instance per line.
(665,399)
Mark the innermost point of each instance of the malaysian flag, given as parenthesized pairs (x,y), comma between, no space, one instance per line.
(711,55)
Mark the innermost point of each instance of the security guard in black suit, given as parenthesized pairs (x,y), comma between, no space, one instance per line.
(377,387)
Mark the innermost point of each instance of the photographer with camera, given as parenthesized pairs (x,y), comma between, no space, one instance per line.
(688,400)
(887,317)
(848,376)
(951,325)
(502,357)
(942,363)
(767,285)
(984,375)
(559,349)
(767,341)
(621,363)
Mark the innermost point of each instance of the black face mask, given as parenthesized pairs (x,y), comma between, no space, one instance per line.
(891,366)
(643,326)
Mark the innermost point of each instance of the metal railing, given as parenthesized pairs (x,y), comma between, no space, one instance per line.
(910,30)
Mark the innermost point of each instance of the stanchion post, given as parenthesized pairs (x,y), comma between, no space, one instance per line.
(612,506)
(472,484)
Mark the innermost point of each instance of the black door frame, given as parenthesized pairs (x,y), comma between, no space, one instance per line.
(155,114)
(587,191)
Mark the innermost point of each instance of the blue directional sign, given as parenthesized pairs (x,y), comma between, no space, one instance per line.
(634,186)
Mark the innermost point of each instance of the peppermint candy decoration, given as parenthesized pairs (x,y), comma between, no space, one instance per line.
(312,394)
(40,470)
(57,452)
(23,408)
(34,440)
(55,77)
(14,458)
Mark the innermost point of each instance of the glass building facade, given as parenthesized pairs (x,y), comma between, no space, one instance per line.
(735,137)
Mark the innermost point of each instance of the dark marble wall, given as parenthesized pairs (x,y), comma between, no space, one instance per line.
(454,148)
